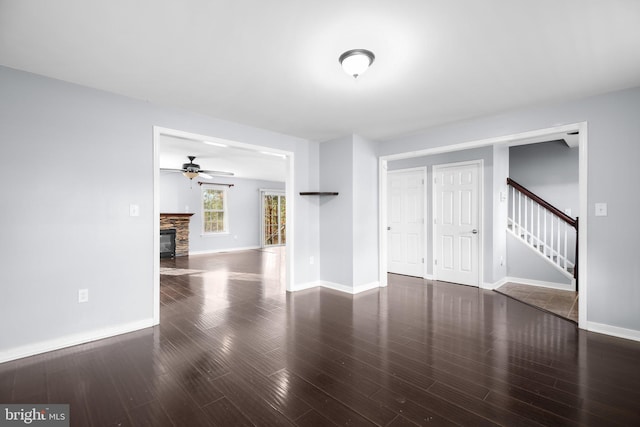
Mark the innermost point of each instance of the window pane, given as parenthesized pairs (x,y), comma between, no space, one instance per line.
(213,210)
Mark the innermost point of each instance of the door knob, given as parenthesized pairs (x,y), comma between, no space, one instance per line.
(474,231)
(388,228)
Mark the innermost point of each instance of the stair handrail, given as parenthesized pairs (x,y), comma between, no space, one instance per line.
(557,212)
(533,196)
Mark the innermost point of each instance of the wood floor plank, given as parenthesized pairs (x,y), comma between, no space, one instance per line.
(150,414)
(257,410)
(223,413)
(324,404)
(314,419)
(233,348)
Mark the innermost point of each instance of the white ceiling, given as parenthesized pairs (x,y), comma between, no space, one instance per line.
(243,162)
(273,64)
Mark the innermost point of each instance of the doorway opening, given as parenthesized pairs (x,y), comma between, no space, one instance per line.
(243,152)
(497,240)
(274,218)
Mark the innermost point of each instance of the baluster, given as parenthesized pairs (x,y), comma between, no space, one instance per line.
(532,222)
(538,225)
(565,246)
(558,259)
(545,231)
(513,209)
(526,224)
(519,213)
(551,240)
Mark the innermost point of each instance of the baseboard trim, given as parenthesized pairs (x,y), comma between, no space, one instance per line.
(305,286)
(494,286)
(71,340)
(616,331)
(217,251)
(337,287)
(540,283)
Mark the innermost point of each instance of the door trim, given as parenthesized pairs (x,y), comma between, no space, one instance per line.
(290,214)
(539,133)
(264,192)
(481,205)
(425,205)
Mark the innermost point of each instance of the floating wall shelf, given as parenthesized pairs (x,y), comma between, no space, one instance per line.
(318,193)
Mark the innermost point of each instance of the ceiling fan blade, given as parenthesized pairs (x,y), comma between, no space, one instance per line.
(171,170)
(218,173)
(204,175)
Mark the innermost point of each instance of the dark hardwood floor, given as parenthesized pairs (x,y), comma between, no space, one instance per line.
(234,349)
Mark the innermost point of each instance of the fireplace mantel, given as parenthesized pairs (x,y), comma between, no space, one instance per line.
(179,215)
(180,222)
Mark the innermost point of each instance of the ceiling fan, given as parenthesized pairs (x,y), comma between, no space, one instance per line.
(191,170)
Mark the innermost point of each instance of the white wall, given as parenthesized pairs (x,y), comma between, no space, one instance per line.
(82,156)
(613,285)
(178,194)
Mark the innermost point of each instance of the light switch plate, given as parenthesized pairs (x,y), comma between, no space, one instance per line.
(601,209)
(134,210)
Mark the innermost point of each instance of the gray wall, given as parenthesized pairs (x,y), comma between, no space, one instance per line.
(522,263)
(365,212)
(484,153)
(349,221)
(613,151)
(87,155)
(336,212)
(549,169)
(177,193)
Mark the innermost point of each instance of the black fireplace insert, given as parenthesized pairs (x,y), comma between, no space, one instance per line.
(168,243)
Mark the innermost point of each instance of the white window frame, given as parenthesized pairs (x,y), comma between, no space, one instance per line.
(268,192)
(225,210)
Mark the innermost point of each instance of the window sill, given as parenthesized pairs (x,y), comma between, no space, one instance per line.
(222,233)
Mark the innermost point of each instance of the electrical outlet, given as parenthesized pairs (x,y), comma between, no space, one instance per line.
(83,295)
(311,260)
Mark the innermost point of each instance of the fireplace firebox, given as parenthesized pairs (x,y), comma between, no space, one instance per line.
(168,243)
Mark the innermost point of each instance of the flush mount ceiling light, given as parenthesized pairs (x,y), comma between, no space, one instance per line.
(356,61)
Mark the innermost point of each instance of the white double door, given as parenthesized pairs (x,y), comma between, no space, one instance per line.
(456,198)
(405,222)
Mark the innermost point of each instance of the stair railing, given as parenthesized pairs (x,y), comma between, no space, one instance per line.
(542,226)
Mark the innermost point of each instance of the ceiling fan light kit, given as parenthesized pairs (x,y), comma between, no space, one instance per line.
(191,170)
(356,61)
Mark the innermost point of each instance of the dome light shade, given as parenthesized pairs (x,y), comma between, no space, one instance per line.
(190,174)
(356,61)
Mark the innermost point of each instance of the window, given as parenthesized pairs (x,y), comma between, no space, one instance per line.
(214,210)
(274,227)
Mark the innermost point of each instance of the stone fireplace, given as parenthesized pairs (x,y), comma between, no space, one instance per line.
(179,222)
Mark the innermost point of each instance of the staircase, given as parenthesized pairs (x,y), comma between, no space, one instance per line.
(543,227)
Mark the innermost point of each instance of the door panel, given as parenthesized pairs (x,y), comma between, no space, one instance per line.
(274,218)
(406,223)
(456,216)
